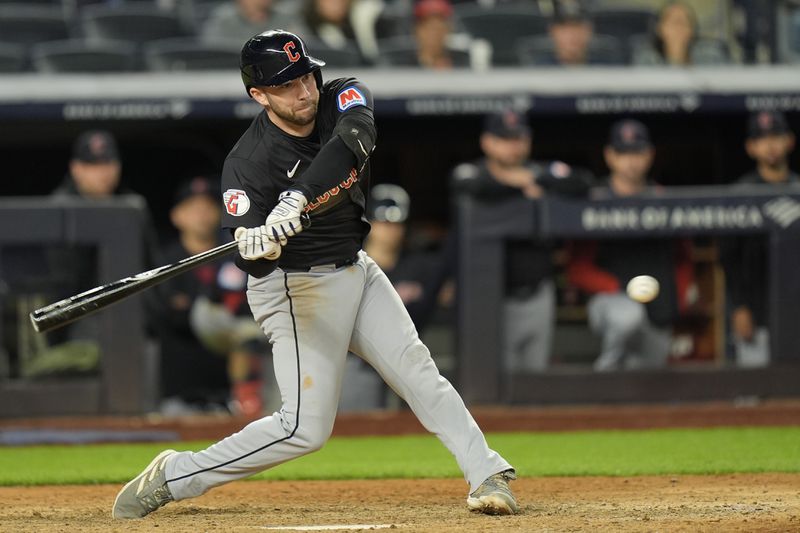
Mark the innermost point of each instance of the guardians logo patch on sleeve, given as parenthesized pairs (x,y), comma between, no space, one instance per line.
(350,97)
(236,202)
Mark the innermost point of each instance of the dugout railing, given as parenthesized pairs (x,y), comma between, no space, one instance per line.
(685,211)
(124,380)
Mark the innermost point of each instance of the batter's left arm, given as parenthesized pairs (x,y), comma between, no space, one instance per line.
(349,148)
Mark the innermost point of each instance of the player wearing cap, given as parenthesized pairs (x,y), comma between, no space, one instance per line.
(634,335)
(507,172)
(94,174)
(94,169)
(201,318)
(313,291)
(769,142)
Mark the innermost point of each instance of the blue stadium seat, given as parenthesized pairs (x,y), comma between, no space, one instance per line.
(188,53)
(622,23)
(394,23)
(402,52)
(12,58)
(78,55)
(29,24)
(502,26)
(194,13)
(334,57)
(55,3)
(133,23)
(603,50)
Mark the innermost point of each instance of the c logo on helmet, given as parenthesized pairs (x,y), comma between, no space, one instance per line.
(290,53)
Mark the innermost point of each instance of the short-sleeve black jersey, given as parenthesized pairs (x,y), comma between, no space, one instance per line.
(267,161)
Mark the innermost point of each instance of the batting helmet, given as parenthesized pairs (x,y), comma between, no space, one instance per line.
(275,57)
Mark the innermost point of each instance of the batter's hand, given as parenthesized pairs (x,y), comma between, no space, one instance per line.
(254,244)
(284,219)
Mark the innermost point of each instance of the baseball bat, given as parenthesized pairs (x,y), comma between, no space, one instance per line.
(89,302)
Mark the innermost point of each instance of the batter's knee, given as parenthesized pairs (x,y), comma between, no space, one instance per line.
(312,437)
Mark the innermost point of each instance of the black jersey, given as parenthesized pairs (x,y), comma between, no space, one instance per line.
(267,161)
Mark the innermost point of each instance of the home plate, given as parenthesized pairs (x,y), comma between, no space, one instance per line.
(349,527)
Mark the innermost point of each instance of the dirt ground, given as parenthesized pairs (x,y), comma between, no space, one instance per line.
(747,503)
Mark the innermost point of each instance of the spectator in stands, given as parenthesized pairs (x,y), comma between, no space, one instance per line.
(432,46)
(769,143)
(210,346)
(571,41)
(238,20)
(340,25)
(634,335)
(505,173)
(570,32)
(676,42)
(433,25)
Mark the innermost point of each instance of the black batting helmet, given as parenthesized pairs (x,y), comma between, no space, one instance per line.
(275,57)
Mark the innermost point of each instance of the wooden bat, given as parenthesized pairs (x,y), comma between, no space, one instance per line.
(86,303)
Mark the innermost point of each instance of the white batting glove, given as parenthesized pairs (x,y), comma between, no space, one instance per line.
(284,219)
(254,244)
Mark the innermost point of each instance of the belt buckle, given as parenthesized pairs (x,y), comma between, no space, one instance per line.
(328,267)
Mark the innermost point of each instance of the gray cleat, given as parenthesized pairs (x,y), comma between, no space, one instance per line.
(494,496)
(146,492)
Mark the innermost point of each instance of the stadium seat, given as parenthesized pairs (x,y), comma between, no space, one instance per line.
(502,27)
(133,23)
(52,3)
(190,54)
(402,52)
(78,55)
(794,32)
(622,23)
(334,57)
(194,13)
(29,24)
(394,23)
(12,58)
(603,50)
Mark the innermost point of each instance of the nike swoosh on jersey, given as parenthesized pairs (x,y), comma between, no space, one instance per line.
(290,173)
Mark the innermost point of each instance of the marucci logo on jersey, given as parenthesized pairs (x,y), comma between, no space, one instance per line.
(350,97)
(236,202)
(325,198)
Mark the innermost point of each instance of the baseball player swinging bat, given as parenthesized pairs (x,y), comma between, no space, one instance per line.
(73,308)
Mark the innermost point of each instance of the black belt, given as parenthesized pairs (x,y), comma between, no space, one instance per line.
(322,268)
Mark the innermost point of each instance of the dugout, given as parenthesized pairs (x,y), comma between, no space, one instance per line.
(173,126)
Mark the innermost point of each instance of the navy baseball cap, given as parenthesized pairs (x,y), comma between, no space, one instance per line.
(196,186)
(95,146)
(569,11)
(629,135)
(388,203)
(766,123)
(508,124)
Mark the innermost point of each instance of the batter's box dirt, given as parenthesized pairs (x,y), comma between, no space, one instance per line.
(746,503)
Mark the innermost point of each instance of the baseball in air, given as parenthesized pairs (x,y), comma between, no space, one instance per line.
(643,288)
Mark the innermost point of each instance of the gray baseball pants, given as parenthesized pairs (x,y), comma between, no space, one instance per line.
(630,340)
(312,319)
